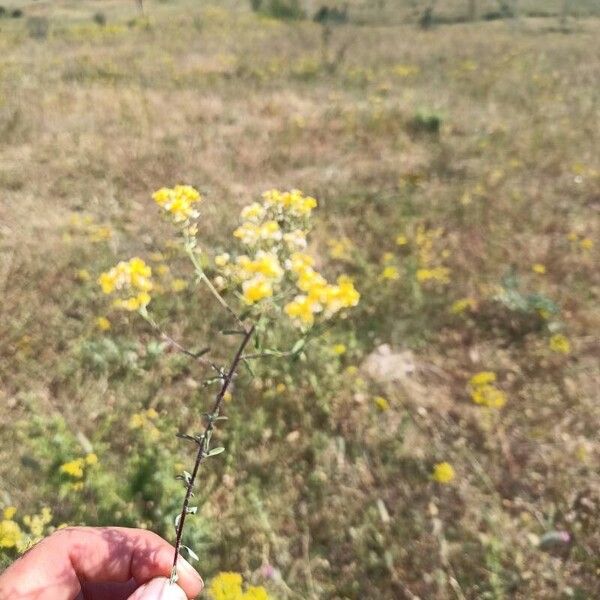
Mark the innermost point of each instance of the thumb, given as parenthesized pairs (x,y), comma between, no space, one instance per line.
(159,589)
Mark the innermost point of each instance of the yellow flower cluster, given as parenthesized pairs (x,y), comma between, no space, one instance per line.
(228,586)
(275,231)
(318,295)
(560,344)
(339,249)
(144,421)
(178,202)
(13,536)
(75,468)
(484,391)
(443,472)
(132,280)
(86,224)
(462,305)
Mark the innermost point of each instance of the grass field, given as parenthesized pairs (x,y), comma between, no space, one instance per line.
(458,178)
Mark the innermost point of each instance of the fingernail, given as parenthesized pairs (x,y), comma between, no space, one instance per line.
(162,589)
(184,566)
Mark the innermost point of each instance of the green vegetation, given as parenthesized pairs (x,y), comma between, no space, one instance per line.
(439,442)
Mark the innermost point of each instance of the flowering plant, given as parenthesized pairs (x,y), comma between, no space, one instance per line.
(268,281)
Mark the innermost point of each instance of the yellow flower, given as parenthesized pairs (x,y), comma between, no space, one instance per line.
(280,388)
(560,344)
(390,272)
(294,202)
(439,274)
(83,275)
(256,289)
(91,459)
(255,593)
(339,349)
(77,486)
(301,310)
(103,324)
(73,468)
(443,472)
(178,285)
(381,403)
(460,306)
(538,268)
(339,249)
(253,212)
(10,534)
(401,240)
(488,395)
(132,279)
(152,414)
(265,264)
(9,512)
(226,586)
(484,392)
(482,378)
(586,244)
(178,202)
(136,421)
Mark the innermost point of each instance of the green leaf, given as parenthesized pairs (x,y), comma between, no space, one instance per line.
(216,451)
(298,345)
(190,552)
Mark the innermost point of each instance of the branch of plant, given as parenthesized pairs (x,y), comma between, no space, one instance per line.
(203,442)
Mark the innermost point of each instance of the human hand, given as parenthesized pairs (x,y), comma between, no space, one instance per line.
(104,563)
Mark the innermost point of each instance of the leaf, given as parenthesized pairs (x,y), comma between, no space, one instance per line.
(216,451)
(298,345)
(190,552)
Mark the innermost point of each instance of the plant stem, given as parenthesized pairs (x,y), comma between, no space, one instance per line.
(213,290)
(204,440)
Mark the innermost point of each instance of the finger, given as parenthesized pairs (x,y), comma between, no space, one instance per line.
(159,589)
(108,591)
(57,566)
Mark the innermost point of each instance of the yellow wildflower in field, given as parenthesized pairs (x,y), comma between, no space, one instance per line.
(339,349)
(339,249)
(265,264)
(257,289)
(302,310)
(10,534)
(405,70)
(443,472)
(9,512)
(103,324)
(401,240)
(381,403)
(460,306)
(482,378)
(228,586)
(586,244)
(37,523)
(484,391)
(178,202)
(73,468)
(538,268)
(390,273)
(131,279)
(91,459)
(293,202)
(438,274)
(560,344)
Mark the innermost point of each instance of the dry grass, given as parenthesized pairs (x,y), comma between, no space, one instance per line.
(318,482)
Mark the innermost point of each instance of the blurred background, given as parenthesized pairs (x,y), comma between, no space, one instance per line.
(440,442)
